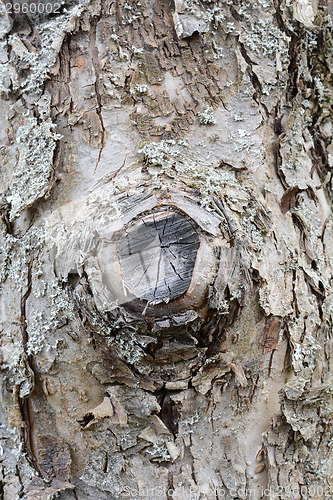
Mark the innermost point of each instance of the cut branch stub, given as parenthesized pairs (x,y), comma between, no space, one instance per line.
(158,262)
(157,255)
(148,258)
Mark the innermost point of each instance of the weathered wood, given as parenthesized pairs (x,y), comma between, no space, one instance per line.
(157,256)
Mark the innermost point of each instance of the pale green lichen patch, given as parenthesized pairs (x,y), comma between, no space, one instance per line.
(41,326)
(176,160)
(161,153)
(38,329)
(206,117)
(262,36)
(24,67)
(15,254)
(305,354)
(267,40)
(33,174)
(15,259)
(141,89)
(177,155)
(128,346)
(38,63)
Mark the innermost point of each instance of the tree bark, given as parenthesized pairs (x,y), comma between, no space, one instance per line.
(166,250)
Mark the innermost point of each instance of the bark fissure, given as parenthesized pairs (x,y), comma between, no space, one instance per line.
(28,431)
(98,93)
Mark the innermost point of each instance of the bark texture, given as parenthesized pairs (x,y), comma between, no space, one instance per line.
(166,250)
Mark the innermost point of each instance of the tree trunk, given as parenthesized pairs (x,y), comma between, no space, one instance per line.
(166,256)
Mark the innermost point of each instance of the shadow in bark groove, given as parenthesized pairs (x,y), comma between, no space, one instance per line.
(169,413)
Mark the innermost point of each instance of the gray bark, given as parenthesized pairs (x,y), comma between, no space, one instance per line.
(166,250)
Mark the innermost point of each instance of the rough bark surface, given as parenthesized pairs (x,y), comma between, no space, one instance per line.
(205,129)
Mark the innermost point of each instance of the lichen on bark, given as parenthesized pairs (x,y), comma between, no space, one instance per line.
(225,390)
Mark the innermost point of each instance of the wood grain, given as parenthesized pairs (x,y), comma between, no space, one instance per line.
(157,256)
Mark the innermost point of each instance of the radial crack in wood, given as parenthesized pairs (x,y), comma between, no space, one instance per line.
(157,256)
